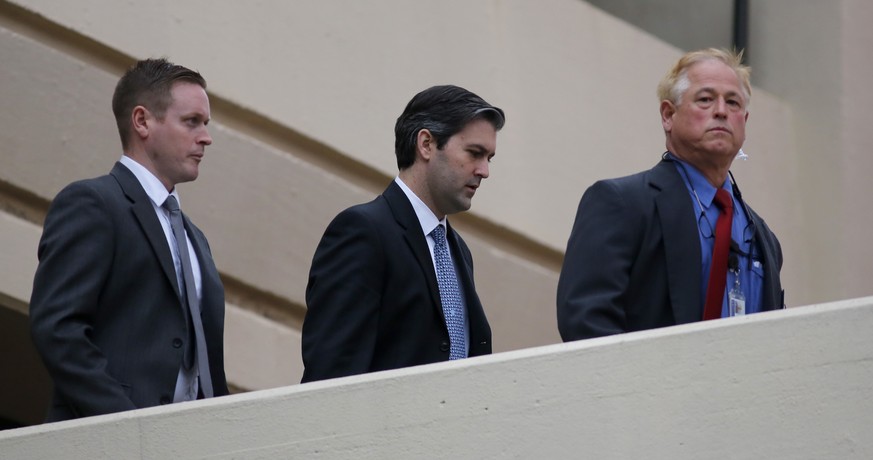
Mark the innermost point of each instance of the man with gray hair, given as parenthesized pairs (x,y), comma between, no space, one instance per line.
(677,243)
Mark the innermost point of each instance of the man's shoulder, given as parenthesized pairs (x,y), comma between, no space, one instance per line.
(636,182)
(389,206)
(631,180)
(372,209)
(636,192)
(658,176)
(370,215)
(103,186)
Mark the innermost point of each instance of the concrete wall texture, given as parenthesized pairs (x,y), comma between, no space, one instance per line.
(304,97)
(780,385)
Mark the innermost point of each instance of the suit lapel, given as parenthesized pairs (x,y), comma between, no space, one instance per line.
(463,267)
(142,208)
(405,216)
(772,294)
(480,332)
(465,271)
(681,242)
(208,272)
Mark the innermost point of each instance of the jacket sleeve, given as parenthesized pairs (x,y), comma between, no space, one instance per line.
(343,299)
(75,255)
(594,280)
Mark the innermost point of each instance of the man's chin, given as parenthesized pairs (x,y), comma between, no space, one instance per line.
(188,177)
(462,205)
(722,149)
(192,174)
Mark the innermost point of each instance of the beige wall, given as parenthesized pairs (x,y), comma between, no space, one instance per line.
(686,24)
(695,391)
(305,95)
(819,70)
(320,69)
(856,100)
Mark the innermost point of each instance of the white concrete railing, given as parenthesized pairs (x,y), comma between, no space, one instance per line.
(778,385)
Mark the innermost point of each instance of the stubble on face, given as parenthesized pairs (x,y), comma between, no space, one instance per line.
(456,171)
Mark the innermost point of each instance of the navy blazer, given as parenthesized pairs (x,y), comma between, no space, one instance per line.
(106,313)
(372,299)
(633,258)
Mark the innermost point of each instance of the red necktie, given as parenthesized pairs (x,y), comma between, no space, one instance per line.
(718,269)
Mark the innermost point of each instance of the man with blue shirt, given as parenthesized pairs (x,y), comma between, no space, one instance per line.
(677,243)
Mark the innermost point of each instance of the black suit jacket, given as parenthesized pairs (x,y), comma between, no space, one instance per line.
(633,258)
(105,313)
(372,300)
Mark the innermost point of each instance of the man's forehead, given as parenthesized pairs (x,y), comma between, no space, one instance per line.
(721,89)
(713,71)
(717,77)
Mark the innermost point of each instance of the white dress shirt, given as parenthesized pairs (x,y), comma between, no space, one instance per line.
(429,221)
(187,381)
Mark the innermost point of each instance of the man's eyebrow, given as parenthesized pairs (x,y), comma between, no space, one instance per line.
(196,114)
(709,89)
(479,147)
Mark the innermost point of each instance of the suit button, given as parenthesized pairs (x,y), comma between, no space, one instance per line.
(445,346)
(177,343)
(165,400)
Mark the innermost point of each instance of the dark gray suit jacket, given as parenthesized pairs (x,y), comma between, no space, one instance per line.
(105,313)
(633,258)
(373,301)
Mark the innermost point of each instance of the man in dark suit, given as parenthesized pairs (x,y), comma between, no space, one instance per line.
(113,296)
(646,250)
(391,283)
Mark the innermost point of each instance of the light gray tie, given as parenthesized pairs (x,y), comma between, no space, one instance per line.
(189,295)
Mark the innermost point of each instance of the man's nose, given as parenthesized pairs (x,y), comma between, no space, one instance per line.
(482,169)
(206,139)
(720,106)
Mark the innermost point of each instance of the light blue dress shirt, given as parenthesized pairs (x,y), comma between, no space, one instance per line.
(751,270)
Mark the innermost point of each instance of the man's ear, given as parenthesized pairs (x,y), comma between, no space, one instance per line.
(425,144)
(667,112)
(140,118)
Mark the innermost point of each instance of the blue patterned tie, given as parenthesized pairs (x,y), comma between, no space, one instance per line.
(450,294)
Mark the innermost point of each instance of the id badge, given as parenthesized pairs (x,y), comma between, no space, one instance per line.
(736,299)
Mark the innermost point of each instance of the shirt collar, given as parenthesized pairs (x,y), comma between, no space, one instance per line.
(426,218)
(698,182)
(150,183)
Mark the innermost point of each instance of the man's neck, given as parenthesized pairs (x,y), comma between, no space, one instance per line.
(714,171)
(419,188)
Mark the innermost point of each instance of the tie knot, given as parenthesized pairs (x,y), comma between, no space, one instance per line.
(723,200)
(438,233)
(170,204)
